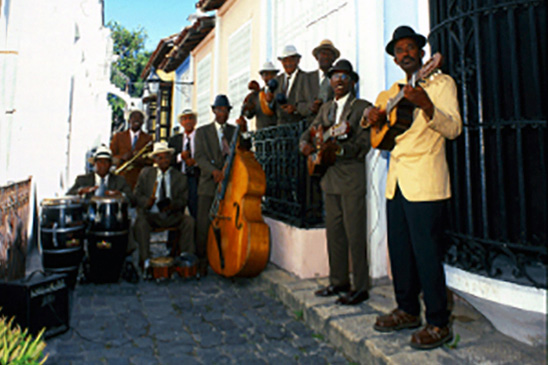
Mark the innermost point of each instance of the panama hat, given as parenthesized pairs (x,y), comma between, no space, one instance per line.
(288,51)
(161,147)
(328,45)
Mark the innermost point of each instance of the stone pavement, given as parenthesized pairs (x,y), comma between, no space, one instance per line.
(213,320)
(242,321)
(350,328)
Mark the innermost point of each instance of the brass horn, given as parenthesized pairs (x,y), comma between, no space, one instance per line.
(128,165)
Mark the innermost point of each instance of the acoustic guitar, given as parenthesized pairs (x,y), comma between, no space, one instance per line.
(399,110)
(316,164)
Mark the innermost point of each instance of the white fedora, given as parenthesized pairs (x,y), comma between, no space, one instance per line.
(288,51)
(161,147)
(268,67)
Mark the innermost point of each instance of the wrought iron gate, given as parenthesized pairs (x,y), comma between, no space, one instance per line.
(497,53)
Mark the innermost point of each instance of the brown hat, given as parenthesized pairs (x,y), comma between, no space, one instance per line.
(326,44)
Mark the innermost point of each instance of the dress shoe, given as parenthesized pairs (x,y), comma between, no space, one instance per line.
(331,290)
(430,337)
(353,297)
(396,320)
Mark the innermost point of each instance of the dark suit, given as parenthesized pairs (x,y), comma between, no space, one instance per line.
(209,157)
(299,96)
(146,220)
(344,188)
(114,182)
(192,174)
(314,82)
(262,120)
(120,145)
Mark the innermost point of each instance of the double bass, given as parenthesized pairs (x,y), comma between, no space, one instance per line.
(238,242)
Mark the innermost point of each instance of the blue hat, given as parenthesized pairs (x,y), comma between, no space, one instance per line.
(221,100)
(404,32)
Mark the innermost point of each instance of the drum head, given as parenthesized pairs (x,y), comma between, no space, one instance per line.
(163,261)
(108,199)
(65,201)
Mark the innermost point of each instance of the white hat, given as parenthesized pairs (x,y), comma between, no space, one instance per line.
(102,152)
(268,66)
(289,51)
(186,112)
(161,147)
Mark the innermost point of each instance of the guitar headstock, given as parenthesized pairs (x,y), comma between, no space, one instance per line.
(431,66)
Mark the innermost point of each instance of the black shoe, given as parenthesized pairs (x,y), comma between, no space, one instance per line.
(331,290)
(353,298)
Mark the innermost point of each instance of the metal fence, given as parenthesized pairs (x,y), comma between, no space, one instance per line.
(292,196)
(497,53)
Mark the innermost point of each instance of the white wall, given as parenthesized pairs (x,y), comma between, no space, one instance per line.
(56,88)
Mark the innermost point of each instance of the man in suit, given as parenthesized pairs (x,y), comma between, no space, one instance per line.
(161,193)
(292,96)
(125,145)
(320,89)
(212,148)
(183,157)
(343,186)
(258,105)
(101,182)
(417,191)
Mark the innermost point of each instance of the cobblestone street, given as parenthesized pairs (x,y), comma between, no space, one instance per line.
(185,321)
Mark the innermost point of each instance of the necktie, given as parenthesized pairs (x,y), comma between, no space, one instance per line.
(162,195)
(187,146)
(332,114)
(324,89)
(102,188)
(134,142)
(286,84)
(224,142)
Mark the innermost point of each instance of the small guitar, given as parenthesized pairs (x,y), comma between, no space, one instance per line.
(399,111)
(316,165)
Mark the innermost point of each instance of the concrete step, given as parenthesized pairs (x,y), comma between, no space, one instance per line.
(350,328)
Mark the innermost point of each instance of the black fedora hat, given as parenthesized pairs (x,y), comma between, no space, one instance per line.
(221,100)
(343,66)
(404,32)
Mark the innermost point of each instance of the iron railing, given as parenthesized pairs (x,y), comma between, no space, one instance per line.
(292,196)
(497,53)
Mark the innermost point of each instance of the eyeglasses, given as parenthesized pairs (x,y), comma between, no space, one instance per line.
(340,76)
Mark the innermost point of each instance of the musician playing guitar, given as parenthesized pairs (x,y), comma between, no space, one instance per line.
(343,185)
(417,189)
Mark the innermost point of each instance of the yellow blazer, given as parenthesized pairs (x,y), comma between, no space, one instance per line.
(417,162)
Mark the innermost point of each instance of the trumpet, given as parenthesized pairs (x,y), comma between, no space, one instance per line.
(128,165)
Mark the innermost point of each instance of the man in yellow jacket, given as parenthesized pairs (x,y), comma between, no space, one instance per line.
(417,190)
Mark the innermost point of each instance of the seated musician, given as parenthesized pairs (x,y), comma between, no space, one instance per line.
(343,186)
(162,193)
(104,183)
(101,182)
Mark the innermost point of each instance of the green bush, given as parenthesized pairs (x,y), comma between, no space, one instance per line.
(17,347)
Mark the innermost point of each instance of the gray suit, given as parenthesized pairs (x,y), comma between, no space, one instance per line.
(209,157)
(299,96)
(344,196)
(146,220)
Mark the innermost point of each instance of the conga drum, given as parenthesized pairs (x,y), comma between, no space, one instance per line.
(107,238)
(62,234)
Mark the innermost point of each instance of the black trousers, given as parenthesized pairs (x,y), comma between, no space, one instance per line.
(193,194)
(416,247)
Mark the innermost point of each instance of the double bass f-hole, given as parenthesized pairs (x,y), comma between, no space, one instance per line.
(237,222)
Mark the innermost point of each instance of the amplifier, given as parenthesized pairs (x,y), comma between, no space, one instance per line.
(37,301)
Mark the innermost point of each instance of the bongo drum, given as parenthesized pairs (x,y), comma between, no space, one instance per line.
(161,267)
(186,265)
(62,234)
(107,238)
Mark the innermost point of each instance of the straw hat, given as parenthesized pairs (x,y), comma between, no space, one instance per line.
(288,51)
(328,45)
(161,147)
